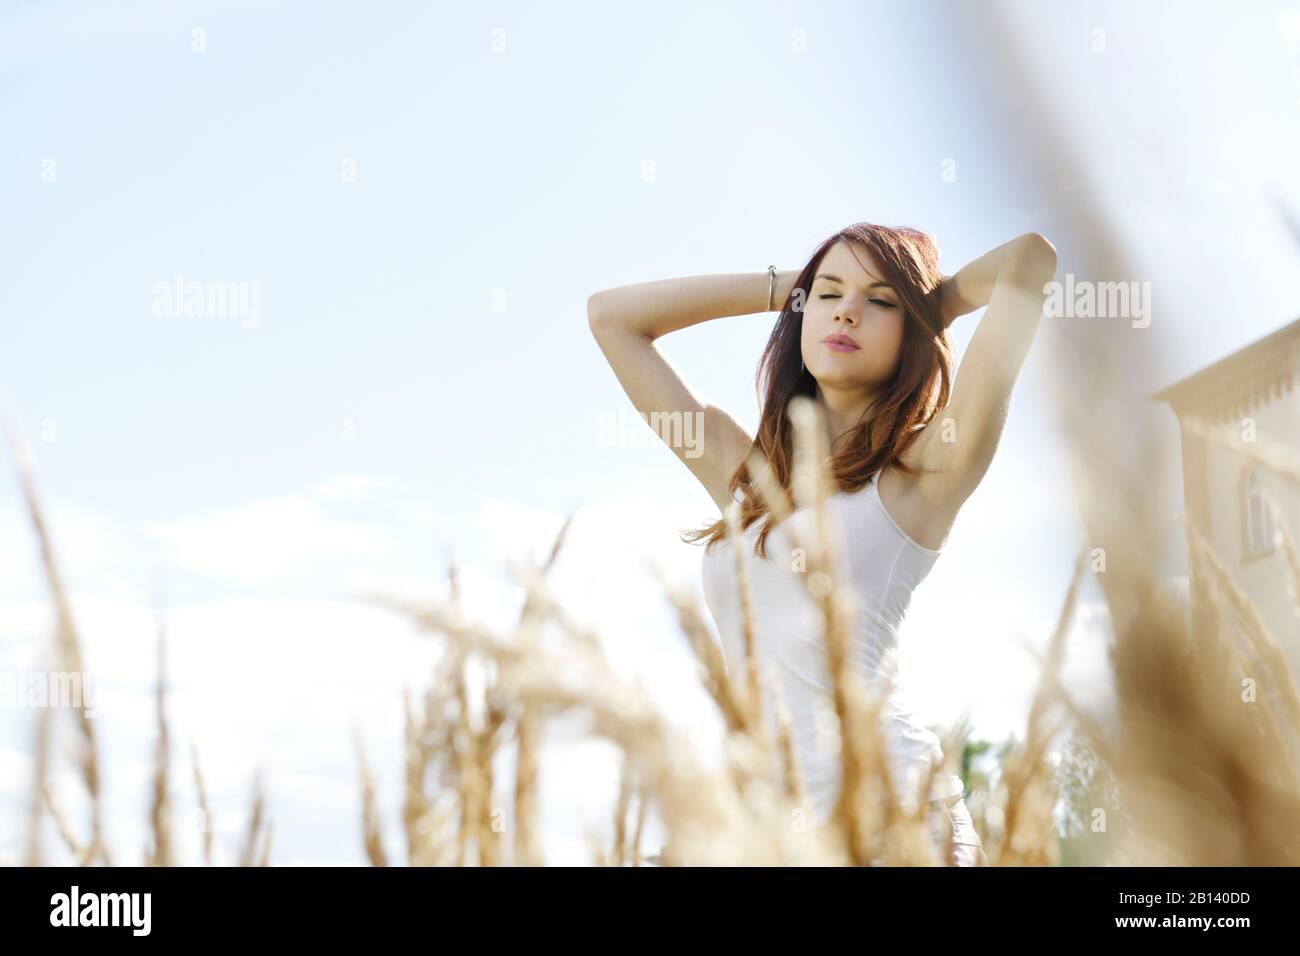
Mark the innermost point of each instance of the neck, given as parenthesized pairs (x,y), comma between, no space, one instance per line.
(843,409)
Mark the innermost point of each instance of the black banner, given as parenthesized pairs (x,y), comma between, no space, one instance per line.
(302,904)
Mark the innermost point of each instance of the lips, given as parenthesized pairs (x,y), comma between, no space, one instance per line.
(841,343)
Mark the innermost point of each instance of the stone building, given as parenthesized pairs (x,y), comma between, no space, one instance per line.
(1254,395)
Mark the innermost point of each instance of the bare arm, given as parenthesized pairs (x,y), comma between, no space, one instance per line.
(625,322)
(1010,280)
(666,305)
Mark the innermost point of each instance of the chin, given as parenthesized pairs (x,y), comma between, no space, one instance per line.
(838,379)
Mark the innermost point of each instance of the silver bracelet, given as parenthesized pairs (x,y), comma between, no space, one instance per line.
(771,286)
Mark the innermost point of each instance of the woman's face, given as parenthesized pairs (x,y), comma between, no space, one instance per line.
(849,298)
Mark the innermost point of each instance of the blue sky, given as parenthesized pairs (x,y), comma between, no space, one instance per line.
(421,375)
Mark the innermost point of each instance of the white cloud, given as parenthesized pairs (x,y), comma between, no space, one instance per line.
(513,531)
(266,538)
(348,486)
(423,516)
(91,550)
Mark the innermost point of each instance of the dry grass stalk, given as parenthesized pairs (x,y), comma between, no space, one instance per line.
(754,692)
(625,849)
(619,853)
(469,786)
(740,715)
(1198,766)
(638,831)
(257,846)
(1196,763)
(791,770)
(706,820)
(473,749)
(490,736)
(69,643)
(264,858)
(470,749)
(869,816)
(205,813)
(68,656)
(1030,790)
(38,797)
(596,847)
(528,730)
(429,821)
(1262,659)
(527,846)
(1263,648)
(372,835)
(424,824)
(1280,460)
(160,854)
(1201,770)
(81,853)
(1284,541)
(415,804)
(874,826)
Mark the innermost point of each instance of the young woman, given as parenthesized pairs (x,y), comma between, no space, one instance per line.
(863,331)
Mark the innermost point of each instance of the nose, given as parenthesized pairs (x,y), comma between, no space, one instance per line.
(843,314)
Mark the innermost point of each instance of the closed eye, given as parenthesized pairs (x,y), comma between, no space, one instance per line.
(886,304)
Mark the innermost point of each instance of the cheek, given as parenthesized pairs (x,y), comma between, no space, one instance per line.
(887,333)
(818,322)
(808,333)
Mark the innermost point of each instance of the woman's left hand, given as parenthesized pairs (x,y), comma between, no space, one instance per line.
(945,294)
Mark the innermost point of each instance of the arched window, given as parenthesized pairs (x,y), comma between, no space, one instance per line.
(1256,520)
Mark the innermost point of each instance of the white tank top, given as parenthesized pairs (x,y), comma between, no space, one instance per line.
(884,565)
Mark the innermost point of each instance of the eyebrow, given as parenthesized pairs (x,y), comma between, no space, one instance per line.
(826,275)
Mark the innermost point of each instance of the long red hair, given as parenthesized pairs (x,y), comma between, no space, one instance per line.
(919,388)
